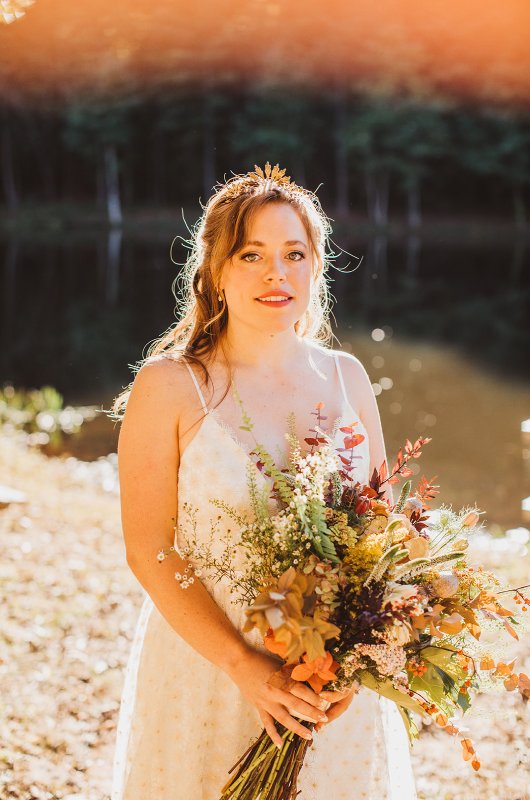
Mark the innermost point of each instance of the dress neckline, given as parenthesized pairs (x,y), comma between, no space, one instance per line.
(231,434)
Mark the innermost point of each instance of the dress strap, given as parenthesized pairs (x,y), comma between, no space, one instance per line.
(341,379)
(199,392)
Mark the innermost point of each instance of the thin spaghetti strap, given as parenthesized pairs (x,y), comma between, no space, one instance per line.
(199,392)
(341,379)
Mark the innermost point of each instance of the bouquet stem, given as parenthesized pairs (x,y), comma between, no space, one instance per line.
(268,772)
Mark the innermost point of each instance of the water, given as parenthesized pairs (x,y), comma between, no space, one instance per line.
(450,360)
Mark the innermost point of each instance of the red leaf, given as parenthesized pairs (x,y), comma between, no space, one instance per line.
(352,441)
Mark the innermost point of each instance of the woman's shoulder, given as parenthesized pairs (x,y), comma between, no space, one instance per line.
(162,380)
(348,361)
(356,379)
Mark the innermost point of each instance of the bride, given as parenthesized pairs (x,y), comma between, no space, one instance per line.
(198,690)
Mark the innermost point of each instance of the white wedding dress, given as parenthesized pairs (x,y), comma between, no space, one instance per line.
(183,723)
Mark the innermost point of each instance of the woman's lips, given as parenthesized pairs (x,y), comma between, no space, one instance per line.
(274,303)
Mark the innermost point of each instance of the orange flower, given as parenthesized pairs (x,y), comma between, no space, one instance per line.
(317,672)
(279,648)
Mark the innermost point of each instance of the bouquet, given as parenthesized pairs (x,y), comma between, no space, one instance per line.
(349,590)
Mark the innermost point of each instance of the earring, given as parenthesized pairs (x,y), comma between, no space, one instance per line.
(219,295)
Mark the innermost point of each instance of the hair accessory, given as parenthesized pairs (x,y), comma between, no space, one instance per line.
(259,180)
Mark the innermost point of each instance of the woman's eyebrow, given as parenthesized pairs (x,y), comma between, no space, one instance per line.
(290,241)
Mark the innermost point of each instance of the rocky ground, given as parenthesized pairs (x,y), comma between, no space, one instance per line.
(70,606)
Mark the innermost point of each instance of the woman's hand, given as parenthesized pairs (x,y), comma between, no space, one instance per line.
(339,703)
(268,685)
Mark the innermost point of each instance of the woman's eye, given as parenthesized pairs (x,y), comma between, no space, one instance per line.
(293,252)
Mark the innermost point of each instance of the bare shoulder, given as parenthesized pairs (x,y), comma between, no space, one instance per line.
(161,377)
(356,380)
(161,389)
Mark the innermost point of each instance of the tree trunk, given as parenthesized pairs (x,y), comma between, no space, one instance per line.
(381,205)
(413,203)
(112,185)
(208,145)
(42,140)
(9,305)
(377,191)
(519,206)
(158,167)
(341,155)
(112,283)
(413,256)
(6,159)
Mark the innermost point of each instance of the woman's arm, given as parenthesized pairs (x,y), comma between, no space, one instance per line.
(359,386)
(148,462)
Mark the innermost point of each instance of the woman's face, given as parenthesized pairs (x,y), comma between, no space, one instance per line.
(274,261)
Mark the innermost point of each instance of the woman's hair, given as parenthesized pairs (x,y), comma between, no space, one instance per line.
(220,233)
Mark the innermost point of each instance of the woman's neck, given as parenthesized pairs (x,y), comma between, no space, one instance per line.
(264,352)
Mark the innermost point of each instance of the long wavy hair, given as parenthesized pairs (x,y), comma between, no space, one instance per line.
(218,235)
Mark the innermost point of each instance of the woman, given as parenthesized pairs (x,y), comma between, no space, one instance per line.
(198,690)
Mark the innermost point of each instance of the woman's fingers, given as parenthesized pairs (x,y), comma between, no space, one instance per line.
(335,696)
(283,716)
(296,705)
(306,693)
(337,708)
(270,727)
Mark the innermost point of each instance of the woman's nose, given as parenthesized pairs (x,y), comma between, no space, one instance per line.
(276,267)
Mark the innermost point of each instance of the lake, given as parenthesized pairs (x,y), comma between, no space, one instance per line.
(439,321)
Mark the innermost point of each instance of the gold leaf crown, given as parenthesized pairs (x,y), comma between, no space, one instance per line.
(263,181)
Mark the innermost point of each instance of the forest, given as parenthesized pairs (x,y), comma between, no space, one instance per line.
(383,157)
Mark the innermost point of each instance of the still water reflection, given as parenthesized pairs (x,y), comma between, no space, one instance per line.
(450,360)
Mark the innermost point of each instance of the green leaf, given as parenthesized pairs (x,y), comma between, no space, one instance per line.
(385,688)
(410,725)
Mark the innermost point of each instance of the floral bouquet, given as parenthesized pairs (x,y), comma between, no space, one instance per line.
(348,590)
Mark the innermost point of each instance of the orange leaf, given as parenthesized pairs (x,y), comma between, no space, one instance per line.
(475,764)
(487,663)
(504,669)
(512,682)
(524,685)
(451,729)
(279,648)
(468,749)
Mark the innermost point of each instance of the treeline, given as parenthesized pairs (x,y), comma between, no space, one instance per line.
(378,156)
